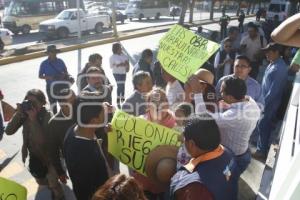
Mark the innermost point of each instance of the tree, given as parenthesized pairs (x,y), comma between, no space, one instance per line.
(183,11)
(239,2)
(192,6)
(294,7)
(211,15)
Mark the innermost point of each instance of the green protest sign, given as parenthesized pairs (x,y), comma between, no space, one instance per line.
(296,59)
(12,190)
(181,52)
(133,138)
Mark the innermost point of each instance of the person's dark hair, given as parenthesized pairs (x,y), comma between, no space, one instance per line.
(243,57)
(232,29)
(199,29)
(186,108)
(146,53)
(139,77)
(38,94)
(252,25)
(115,47)
(120,187)
(88,109)
(204,131)
(94,57)
(235,87)
(62,91)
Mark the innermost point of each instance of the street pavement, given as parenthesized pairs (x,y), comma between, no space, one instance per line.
(20,41)
(16,79)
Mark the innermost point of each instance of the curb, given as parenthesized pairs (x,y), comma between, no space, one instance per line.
(124,36)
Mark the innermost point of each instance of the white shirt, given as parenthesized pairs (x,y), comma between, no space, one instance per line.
(236,124)
(227,67)
(174,92)
(116,59)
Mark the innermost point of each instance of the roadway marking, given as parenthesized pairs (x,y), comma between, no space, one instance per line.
(11,170)
(31,186)
(2,154)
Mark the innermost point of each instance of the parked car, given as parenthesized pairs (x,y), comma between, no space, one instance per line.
(120,16)
(5,38)
(66,23)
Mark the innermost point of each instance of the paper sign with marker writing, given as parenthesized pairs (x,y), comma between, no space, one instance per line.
(12,190)
(132,139)
(181,52)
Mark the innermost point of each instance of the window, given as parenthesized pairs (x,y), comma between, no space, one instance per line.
(274,8)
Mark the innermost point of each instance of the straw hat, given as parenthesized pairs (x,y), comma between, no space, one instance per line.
(205,75)
(161,163)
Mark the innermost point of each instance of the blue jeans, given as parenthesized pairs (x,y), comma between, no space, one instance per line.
(265,127)
(120,79)
(243,161)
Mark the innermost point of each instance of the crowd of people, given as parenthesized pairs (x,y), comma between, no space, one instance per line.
(219,111)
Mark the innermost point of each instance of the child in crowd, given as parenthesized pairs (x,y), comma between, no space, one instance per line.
(182,112)
(157,111)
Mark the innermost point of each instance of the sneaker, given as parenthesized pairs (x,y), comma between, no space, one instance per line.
(259,156)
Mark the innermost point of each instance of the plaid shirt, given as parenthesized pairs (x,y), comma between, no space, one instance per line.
(236,124)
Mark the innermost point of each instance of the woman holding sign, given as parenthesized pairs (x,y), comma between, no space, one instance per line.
(158,112)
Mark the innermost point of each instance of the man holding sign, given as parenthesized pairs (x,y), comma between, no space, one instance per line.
(181,52)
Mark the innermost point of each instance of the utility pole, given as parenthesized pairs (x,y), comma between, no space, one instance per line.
(113,19)
(79,37)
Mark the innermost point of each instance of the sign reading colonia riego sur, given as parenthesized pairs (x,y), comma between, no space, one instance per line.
(181,52)
(133,138)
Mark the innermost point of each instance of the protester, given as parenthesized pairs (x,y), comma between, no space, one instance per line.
(53,69)
(287,33)
(6,113)
(174,89)
(259,13)
(237,122)
(95,60)
(234,36)
(58,126)
(206,78)
(95,84)
(273,85)
(1,118)
(210,173)
(157,112)
(120,187)
(83,153)
(224,60)
(119,64)
(158,80)
(182,113)
(33,116)
(144,64)
(241,20)
(136,103)
(241,70)
(251,45)
(224,21)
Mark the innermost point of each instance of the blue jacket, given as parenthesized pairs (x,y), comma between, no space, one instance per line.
(212,174)
(273,84)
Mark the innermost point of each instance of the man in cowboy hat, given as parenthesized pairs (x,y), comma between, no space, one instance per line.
(273,85)
(52,70)
(211,173)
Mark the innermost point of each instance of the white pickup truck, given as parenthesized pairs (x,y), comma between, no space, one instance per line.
(66,22)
